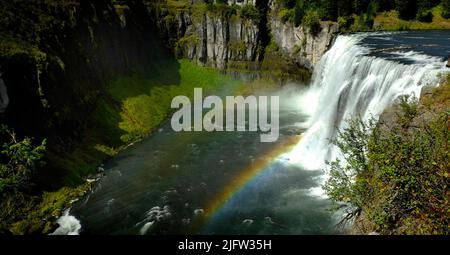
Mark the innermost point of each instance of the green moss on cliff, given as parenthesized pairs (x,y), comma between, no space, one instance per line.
(145,103)
(282,67)
(41,217)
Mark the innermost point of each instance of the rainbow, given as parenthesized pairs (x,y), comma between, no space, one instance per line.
(248,174)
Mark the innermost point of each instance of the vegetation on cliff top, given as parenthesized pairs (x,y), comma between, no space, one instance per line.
(397,175)
(389,20)
(199,8)
(371,14)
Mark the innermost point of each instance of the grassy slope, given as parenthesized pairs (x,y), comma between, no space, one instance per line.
(146,103)
(134,107)
(389,21)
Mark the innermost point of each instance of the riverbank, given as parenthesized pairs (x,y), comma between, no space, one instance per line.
(389,21)
(142,107)
(404,189)
(90,102)
(108,91)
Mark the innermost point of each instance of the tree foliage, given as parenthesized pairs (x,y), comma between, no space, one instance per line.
(397,174)
(446,9)
(295,10)
(22,159)
(250,12)
(312,21)
(346,185)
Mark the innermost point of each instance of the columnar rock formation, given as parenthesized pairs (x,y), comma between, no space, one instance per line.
(217,39)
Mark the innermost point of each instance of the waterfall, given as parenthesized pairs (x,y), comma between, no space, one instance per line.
(348,82)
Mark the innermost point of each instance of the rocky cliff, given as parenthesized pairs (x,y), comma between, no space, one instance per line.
(301,45)
(208,38)
(58,64)
(223,36)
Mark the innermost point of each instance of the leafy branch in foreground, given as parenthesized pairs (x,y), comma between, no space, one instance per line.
(22,159)
(347,185)
(19,160)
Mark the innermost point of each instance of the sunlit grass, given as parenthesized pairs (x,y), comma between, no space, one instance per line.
(145,101)
(390,21)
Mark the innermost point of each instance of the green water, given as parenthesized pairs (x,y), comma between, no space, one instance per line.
(163,184)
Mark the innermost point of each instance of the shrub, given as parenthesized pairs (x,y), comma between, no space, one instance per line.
(250,12)
(397,173)
(407,9)
(285,15)
(347,184)
(298,13)
(345,22)
(424,16)
(312,21)
(22,159)
(445,9)
(287,3)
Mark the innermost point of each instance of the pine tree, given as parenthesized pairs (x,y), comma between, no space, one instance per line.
(344,8)
(446,9)
(407,9)
(360,6)
(329,9)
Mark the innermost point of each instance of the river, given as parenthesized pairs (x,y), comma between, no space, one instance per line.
(230,182)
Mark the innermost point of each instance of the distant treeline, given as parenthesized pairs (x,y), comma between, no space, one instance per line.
(333,9)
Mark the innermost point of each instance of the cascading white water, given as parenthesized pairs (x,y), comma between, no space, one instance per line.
(68,225)
(349,83)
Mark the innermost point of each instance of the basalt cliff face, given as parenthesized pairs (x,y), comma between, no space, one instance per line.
(301,45)
(208,39)
(225,38)
(51,85)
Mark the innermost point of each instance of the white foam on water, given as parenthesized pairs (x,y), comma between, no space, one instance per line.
(146,227)
(68,225)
